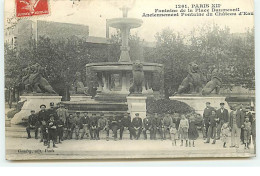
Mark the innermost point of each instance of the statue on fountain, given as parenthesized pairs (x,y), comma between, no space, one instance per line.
(214,84)
(138,78)
(194,81)
(78,86)
(34,80)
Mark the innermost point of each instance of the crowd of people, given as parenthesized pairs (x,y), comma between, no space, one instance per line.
(56,125)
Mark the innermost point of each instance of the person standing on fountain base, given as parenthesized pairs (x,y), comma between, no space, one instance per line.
(223,116)
(173,132)
(137,126)
(247,132)
(236,122)
(213,123)
(183,129)
(193,131)
(224,134)
(207,112)
(52,131)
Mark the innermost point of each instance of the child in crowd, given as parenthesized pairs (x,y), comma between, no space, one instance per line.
(192,131)
(247,132)
(183,129)
(224,134)
(173,133)
(60,130)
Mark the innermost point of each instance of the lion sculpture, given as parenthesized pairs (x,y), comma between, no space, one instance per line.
(34,80)
(193,82)
(138,78)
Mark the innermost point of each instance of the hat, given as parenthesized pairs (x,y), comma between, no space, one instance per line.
(207,102)
(62,105)
(102,114)
(43,105)
(51,104)
(32,110)
(77,112)
(137,114)
(51,115)
(222,103)
(93,113)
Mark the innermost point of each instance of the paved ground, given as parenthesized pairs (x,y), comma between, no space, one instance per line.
(21,148)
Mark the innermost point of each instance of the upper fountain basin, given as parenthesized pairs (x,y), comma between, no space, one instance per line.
(120,23)
(122,66)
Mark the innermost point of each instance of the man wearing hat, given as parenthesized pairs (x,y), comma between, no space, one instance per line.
(222,114)
(102,126)
(137,126)
(93,126)
(62,114)
(206,114)
(43,118)
(125,125)
(33,123)
(52,111)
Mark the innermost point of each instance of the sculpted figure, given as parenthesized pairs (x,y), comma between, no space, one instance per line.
(25,79)
(138,78)
(194,80)
(78,86)
(214,84)
(36,80)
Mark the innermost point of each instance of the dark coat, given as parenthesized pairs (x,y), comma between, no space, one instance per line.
(32,120)
(43,116)
(223,117)
(147,123)
(137,122)
(240,118)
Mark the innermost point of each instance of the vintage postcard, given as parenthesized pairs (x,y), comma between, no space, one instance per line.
(129,79)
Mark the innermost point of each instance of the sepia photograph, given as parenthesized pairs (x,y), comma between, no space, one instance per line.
(129,79)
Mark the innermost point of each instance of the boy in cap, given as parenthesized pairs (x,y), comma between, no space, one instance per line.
(70,124)
(33,123)
(52,127)
(43,117)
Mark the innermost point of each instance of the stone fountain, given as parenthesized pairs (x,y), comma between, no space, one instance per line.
(115,78)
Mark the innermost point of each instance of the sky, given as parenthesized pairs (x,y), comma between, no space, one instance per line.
(95,12)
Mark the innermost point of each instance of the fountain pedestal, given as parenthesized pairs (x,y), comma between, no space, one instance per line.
(199,102)
(137,104)
(33,102)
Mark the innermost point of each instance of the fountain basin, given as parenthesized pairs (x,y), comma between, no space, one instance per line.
(120,23)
